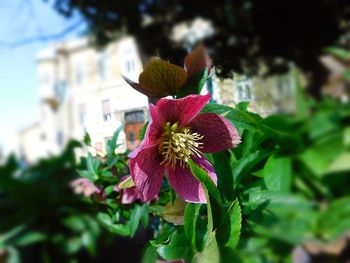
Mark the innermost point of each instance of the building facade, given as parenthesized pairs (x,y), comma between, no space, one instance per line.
(81,90)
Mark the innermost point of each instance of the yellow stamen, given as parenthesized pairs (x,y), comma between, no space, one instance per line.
(178,144)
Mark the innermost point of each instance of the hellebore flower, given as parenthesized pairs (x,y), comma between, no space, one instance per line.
(160,78)
(87,188)
(176,133)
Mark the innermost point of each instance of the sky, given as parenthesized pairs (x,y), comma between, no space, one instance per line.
(21,20)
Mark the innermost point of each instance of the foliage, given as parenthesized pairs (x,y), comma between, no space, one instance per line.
(289,173)
(41,219)
(284,186)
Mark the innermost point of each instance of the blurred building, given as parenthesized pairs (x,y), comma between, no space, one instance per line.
(265,95)
(81,90)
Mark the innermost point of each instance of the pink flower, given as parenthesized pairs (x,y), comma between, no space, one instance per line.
(176,133)
(129,195)
(84,186)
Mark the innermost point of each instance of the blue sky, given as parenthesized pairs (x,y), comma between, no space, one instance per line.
(21,20)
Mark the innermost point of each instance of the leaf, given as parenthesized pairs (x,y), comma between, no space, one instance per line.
(246,164)
(210,252)
(223,167)
(30,238)
(277,199)
(195,227)
(338,52)
(112,144)
(340,164)
(173,212)
(87,139)
(335,220)
(74,223)
(143,131)
(213,196)
(107,222)
(150,255)
(91,168)
(176,247)
(278,173)
(160,78)
(109,190)
(229,231)
(318,158)
(137,215)
(127,183)
(193,84)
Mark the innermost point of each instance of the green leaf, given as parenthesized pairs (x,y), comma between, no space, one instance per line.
(109,190)
(138,215)
(143,131)
(176,247)
(195,227)
(335,220)
(87,139)
(318,158)
(210,252)
(213,196)
(340,164)
(338,52)
(229,231)
(30,238)
(278,173)
(246,164)
(91,168)
(107,222)
(150,254)
(193,84)
(75,223)
(112,144)
(223,162)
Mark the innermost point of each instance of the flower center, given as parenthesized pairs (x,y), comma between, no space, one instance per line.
(178,144)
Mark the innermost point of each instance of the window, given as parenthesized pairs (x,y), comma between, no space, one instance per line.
(244,90)
(106,110)
(135,116)
(130,66)
(102,66)
(79,73)
(60,90)
(82,114)
(59,138)
(132,138)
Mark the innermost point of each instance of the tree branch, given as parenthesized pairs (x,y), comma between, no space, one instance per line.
(31,40)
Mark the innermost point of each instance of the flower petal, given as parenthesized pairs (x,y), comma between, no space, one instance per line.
(219,134)
(182,110)
(197,60)
(153,132)
(147,173)
(129,195)
(186,185)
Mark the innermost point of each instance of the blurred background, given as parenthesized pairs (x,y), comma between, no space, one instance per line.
(62,61)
